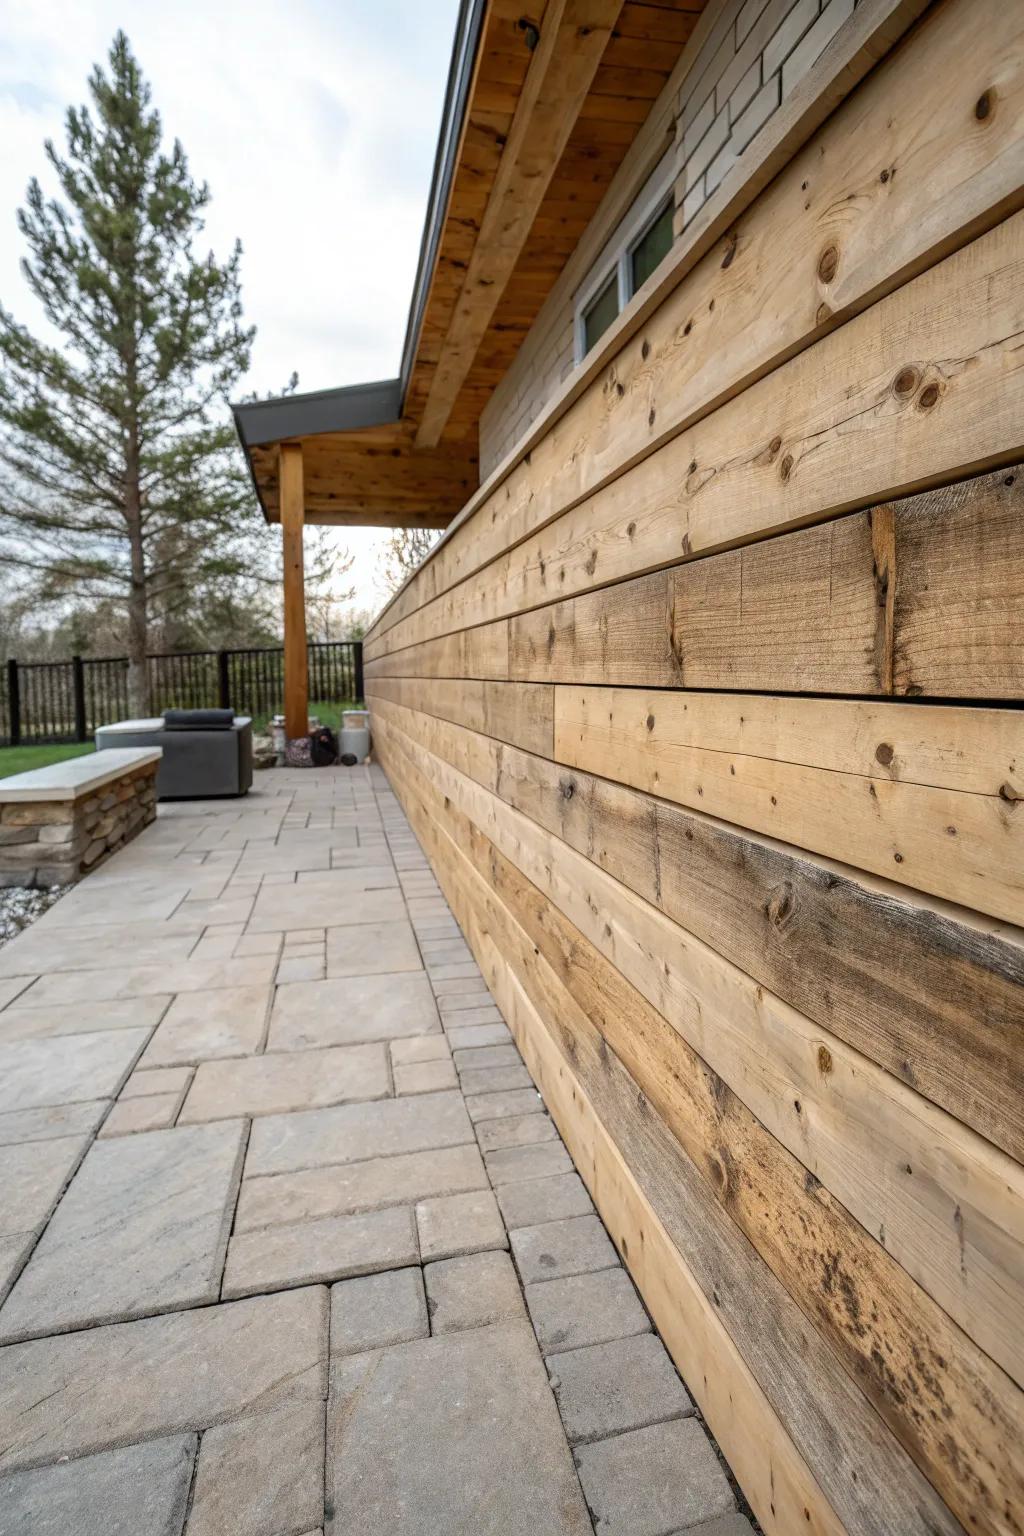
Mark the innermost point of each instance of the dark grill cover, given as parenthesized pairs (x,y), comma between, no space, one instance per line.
(199,719)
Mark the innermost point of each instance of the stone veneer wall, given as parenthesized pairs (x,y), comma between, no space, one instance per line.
(56,842)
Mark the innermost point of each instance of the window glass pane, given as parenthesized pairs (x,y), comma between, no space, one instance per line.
(600,313)
(651,249)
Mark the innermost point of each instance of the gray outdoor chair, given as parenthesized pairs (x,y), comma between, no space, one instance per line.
(207,752)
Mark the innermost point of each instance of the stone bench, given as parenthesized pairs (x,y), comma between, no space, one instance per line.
(58,823)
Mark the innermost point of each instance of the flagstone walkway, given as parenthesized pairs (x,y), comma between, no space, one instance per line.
(287,1241)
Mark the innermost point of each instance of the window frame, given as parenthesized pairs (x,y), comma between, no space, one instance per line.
(617,256)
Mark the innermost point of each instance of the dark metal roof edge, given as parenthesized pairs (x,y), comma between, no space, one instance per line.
(468,31)
(324,410)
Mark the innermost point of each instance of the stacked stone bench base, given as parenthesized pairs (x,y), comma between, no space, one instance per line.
(58,823)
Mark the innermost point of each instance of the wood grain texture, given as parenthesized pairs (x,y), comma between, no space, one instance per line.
(924,387)
(756,299)
(870,1482)
(922,597)
(933,1388)
(296,680)
(521,713)
(948,1206)
(923,795)
(930,994)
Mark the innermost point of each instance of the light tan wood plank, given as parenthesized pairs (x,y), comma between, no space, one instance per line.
(891,788)
(935,998)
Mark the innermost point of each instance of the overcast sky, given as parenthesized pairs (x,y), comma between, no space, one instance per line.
(314,123)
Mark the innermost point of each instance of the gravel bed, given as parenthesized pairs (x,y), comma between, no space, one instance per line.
(19,909)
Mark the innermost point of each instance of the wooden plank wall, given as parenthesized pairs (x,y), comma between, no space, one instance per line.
(710,720)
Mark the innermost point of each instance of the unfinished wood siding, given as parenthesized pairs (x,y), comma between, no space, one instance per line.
(746,58)
(709,718)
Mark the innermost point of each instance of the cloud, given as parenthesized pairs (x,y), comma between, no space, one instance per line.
(314,123)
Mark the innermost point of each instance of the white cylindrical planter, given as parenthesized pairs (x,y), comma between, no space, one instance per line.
(354,736)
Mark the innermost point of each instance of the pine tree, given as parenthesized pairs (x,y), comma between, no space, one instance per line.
(120,480)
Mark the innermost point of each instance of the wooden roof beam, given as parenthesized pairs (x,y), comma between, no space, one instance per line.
(573,39)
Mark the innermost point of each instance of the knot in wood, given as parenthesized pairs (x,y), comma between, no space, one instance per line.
(828,263)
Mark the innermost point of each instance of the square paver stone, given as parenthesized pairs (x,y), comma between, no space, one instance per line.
(608,1388)
(155,1112)
(378,1310)
(199,1026)
(457,1224)
(364,948)
(81,1392)
(539,1200)
(142,1228)
(556,1248)
(655,1480)
(458,1434)
(341,1190)
(68,1069)
(585,1309)
(472,1291)
(353,1132)
(330,1249)
(351,1009)
(261,1475)
(286,1080)
(136,1490)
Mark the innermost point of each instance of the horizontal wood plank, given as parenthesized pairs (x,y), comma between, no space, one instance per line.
(922,597)
(933,998)
(755,299)
(923,388)
(949,1206)
(901,790)
(801,1377)
(929,1383)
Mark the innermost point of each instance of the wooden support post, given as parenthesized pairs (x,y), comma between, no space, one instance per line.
(296,680)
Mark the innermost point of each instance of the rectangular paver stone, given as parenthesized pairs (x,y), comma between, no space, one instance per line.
(402,1415)
(340,1190)
(509,1165)
(539,1200)
(354,1132)
(472,1291)
(199,1026)
(585,1309)
(262,1475)
(374,1311)
(20,1125)
(608,1388)
(652,1481)
(425,1077)
(469,1036)
(137,1490)
(351,1009)
(32,1175)
(365,948)
(515,1131)
(154,1112)
(307,1251)
(288,1080)
(67,1069)
(141,1229)
(457,1224)
(557,1248)
(81,1392)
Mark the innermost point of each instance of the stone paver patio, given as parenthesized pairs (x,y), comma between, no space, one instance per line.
(287,1241)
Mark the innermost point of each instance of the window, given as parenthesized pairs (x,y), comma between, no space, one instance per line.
(600,312)
(638,247)
(652,247)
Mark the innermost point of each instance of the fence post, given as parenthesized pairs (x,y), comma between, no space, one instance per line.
(223,682)
(357,659)
(78,684)
(14,701)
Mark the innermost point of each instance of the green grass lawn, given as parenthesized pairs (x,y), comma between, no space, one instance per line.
(21,759)
(328,713)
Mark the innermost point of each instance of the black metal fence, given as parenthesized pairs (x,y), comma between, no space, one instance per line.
(51,701)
